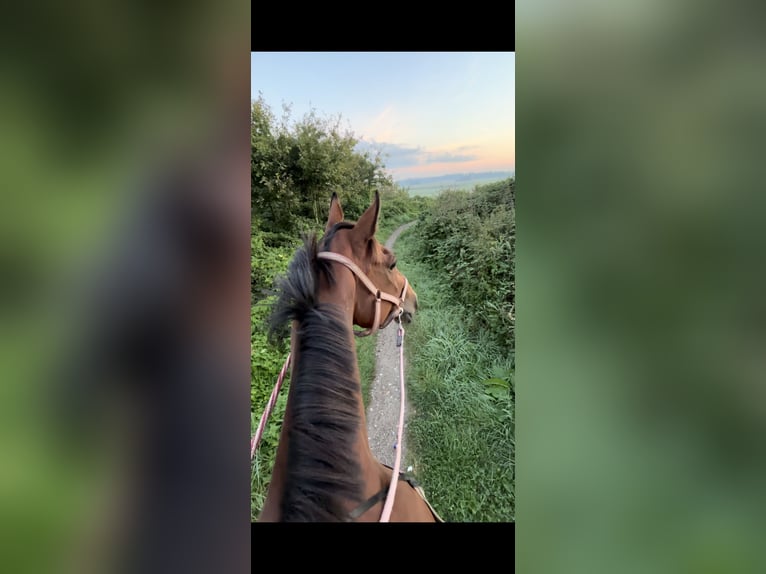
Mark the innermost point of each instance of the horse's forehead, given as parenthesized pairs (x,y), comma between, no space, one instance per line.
(343,236)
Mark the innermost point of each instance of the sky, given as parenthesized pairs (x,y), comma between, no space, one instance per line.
(431,113)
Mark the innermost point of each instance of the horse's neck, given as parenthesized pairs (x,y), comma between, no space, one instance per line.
(371,478)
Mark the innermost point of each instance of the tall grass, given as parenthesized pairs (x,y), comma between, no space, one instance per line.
(462,390)
(266,360)
(365,354)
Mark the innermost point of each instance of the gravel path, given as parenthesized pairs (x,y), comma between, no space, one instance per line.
(383,410)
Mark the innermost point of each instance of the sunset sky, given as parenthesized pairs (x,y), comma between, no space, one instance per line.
(432,113)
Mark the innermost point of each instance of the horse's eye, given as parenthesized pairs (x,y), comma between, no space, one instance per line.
(392,265)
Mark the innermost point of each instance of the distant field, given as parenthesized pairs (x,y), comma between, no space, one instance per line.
(434,186)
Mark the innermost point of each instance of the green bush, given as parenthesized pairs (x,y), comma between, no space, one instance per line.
(469,239)
(297,165)
(461,384)
(265,264)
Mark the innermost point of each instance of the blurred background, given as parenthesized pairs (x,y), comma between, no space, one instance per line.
(641,320)
(124,302)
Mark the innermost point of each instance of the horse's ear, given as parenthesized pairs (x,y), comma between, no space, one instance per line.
(367,225)
(336,212)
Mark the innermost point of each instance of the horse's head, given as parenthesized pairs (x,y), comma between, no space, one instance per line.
(357,243)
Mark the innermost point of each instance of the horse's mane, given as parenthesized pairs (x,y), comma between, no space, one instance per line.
(322,473)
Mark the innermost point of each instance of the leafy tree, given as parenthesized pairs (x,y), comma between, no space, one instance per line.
(296,166)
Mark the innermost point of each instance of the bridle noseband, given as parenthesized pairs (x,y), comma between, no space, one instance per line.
(398,302)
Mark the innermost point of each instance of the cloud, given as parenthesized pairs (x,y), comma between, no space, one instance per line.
(400,155)
(446,157)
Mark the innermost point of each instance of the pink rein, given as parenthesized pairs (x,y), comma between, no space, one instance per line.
(255,441)
(389,505)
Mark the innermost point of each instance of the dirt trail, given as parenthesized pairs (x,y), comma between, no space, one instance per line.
(383,410)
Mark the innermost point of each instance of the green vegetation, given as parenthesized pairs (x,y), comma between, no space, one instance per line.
(296,166)
(460,260)
(433,186)
(468,239)
(461,385)
(266,360)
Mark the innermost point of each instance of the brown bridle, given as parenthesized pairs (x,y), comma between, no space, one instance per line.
(396,310)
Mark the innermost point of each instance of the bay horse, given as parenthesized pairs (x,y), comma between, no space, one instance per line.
(324,469)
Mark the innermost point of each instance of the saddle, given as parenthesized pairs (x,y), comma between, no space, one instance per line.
(375,498)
